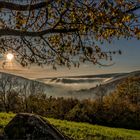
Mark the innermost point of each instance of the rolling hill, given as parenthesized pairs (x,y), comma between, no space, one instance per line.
(80,87)
(82,131)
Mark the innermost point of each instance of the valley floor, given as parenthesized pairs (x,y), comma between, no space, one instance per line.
(82,131)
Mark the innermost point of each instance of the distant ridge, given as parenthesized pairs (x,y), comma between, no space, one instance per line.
(85,76)
(23,78)
(109,86)
(80,87)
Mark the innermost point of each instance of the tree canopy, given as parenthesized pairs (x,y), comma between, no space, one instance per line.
(65,32)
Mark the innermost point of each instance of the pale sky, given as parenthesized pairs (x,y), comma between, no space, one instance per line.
(128,61)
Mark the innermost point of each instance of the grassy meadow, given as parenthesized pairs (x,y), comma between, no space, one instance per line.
(82,131)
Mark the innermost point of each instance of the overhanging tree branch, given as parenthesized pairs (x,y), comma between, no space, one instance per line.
(59,54)
(18,7)
(12,32)
(62,32)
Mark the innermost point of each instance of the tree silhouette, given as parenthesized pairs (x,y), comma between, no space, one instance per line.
(64,32)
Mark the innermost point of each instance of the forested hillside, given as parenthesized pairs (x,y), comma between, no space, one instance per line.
(118,109)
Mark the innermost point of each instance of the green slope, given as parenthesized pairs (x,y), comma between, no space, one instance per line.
(83,131)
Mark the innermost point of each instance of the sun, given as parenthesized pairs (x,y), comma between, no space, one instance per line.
(9,56)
